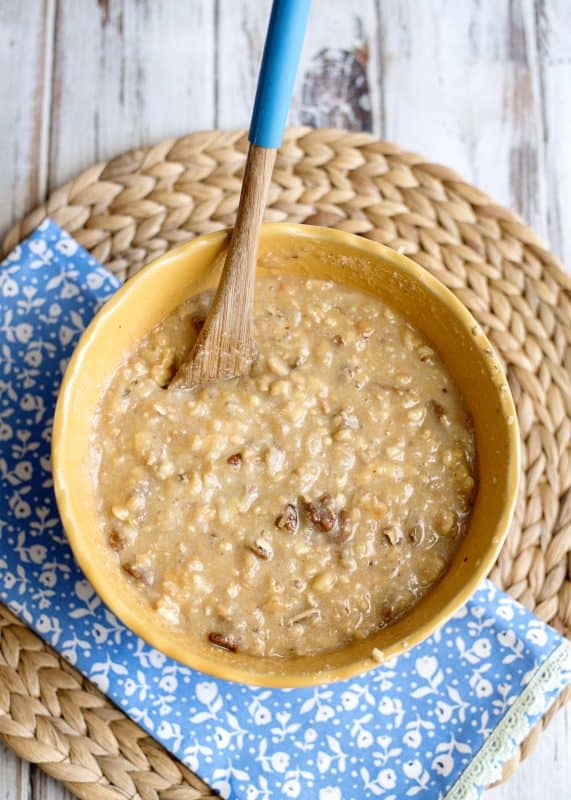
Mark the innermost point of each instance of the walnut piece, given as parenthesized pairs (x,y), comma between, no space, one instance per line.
(288,520)
(134,572)
(235,460)
(322,515)
(116,542)
(223,641)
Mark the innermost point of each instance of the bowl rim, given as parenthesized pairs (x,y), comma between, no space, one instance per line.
(215,666)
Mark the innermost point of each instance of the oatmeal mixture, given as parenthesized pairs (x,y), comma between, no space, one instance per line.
(292,510)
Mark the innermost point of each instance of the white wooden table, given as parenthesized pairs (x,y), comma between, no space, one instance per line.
(481,85)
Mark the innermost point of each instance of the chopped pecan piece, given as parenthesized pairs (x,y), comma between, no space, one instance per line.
(323,515)
(393,534)
(223,641)
(235,460)
(288,519)
(261,549)
(116,542)
(134,572)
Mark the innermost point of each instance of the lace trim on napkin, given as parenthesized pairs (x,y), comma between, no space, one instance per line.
(502,743)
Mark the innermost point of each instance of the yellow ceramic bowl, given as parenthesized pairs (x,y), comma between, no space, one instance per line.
(152,295)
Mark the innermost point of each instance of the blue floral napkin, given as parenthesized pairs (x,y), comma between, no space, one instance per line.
(437,722)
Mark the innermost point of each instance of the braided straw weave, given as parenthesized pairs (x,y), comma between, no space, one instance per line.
(133,208)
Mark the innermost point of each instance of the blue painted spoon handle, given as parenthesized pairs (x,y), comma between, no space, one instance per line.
(280,60)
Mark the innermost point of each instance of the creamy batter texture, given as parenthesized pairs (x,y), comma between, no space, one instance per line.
(292,510)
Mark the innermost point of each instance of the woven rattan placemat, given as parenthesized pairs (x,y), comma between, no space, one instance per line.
(133,208)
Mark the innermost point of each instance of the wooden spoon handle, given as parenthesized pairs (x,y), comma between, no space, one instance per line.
(225,346)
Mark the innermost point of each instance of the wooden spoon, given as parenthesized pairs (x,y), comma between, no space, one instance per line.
(225,347)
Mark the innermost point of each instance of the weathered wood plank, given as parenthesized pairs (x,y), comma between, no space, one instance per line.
(127,74)
(26,28)
(460,84)
(337,81)
(546,774)
(239,43)
(14,776)
(554,48)
(45,788)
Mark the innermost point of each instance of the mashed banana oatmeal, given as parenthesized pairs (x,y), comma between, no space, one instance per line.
(311,502)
